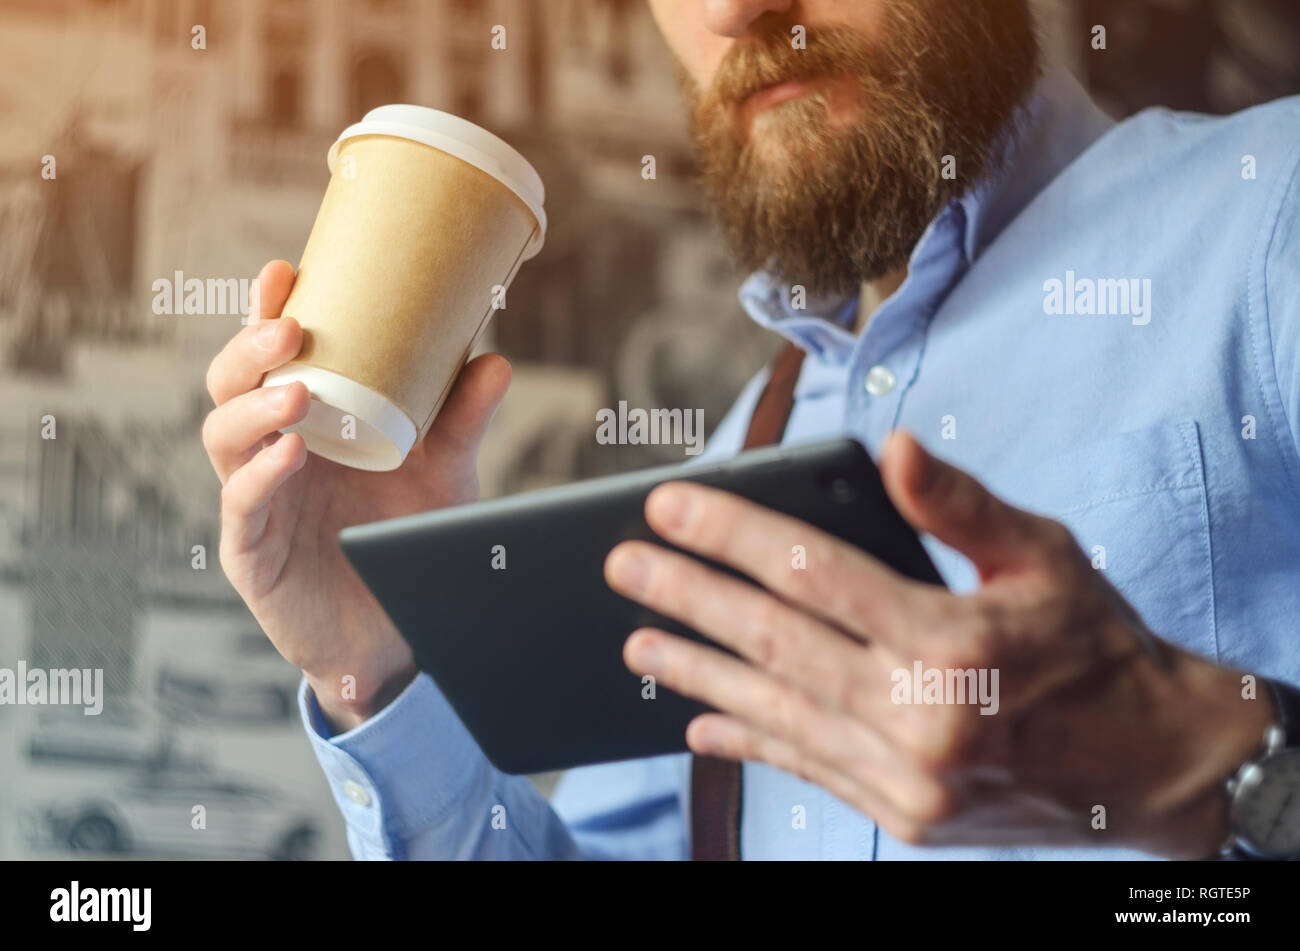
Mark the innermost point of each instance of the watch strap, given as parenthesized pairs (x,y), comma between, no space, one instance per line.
(1287,701)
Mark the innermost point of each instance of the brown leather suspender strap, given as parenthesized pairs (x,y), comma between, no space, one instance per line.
(715,783)
(772,411)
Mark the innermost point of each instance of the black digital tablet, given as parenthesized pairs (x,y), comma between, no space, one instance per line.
(505,605)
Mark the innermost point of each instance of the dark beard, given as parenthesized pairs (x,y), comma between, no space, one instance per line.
(847,204)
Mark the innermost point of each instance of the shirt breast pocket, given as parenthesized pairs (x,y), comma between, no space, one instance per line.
(1137,505)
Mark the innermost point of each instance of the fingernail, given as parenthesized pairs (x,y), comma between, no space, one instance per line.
(671,506)
(630,571)
(275,395)
(266,334)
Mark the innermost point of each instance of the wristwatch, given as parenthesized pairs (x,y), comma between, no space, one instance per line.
(1264,795)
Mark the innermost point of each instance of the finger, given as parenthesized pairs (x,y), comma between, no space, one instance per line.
(474,399)
(273,283)
(904,806)
(841,673)
(261,346)
(247,494)
(233,432)
(732,686)
(249,354)
(832,579)
(955,508)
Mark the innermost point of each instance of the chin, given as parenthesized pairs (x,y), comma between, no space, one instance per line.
(789,133)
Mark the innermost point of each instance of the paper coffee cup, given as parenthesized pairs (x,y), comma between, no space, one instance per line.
(424,224)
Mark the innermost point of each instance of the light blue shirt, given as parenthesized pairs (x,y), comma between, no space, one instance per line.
(1159,420)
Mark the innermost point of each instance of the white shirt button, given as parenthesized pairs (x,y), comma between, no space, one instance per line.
(357,793)
(880,380)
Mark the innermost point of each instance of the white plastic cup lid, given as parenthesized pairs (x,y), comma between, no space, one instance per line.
(464,140)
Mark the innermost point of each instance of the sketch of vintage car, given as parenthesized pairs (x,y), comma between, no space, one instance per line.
(158,813)
(249,684)
(117,739)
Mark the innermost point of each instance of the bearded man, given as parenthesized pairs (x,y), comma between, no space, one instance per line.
(1095,327)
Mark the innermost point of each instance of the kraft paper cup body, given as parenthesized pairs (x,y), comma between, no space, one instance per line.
(411,253)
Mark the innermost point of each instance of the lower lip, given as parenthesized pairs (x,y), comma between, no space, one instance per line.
(775,95)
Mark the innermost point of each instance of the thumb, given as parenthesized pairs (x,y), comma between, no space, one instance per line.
(955,508)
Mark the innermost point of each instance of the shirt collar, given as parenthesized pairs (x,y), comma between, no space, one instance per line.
(1059,123)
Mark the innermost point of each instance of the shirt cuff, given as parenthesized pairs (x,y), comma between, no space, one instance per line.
(398,772)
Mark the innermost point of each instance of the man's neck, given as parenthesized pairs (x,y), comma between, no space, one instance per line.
(875,293)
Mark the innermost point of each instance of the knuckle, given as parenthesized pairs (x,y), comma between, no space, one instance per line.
(847,692)
(714,528)
(745,746)
(706,523)
(784,708)
(288,404)
(805,723)
(825,562)
(769,636)
(819,583)
(679,668)
(663,580)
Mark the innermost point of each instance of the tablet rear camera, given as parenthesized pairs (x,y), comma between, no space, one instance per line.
(842,490)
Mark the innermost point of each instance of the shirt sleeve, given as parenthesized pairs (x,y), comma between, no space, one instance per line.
(412,784)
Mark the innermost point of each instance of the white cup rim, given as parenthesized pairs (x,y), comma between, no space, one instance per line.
(464,140)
